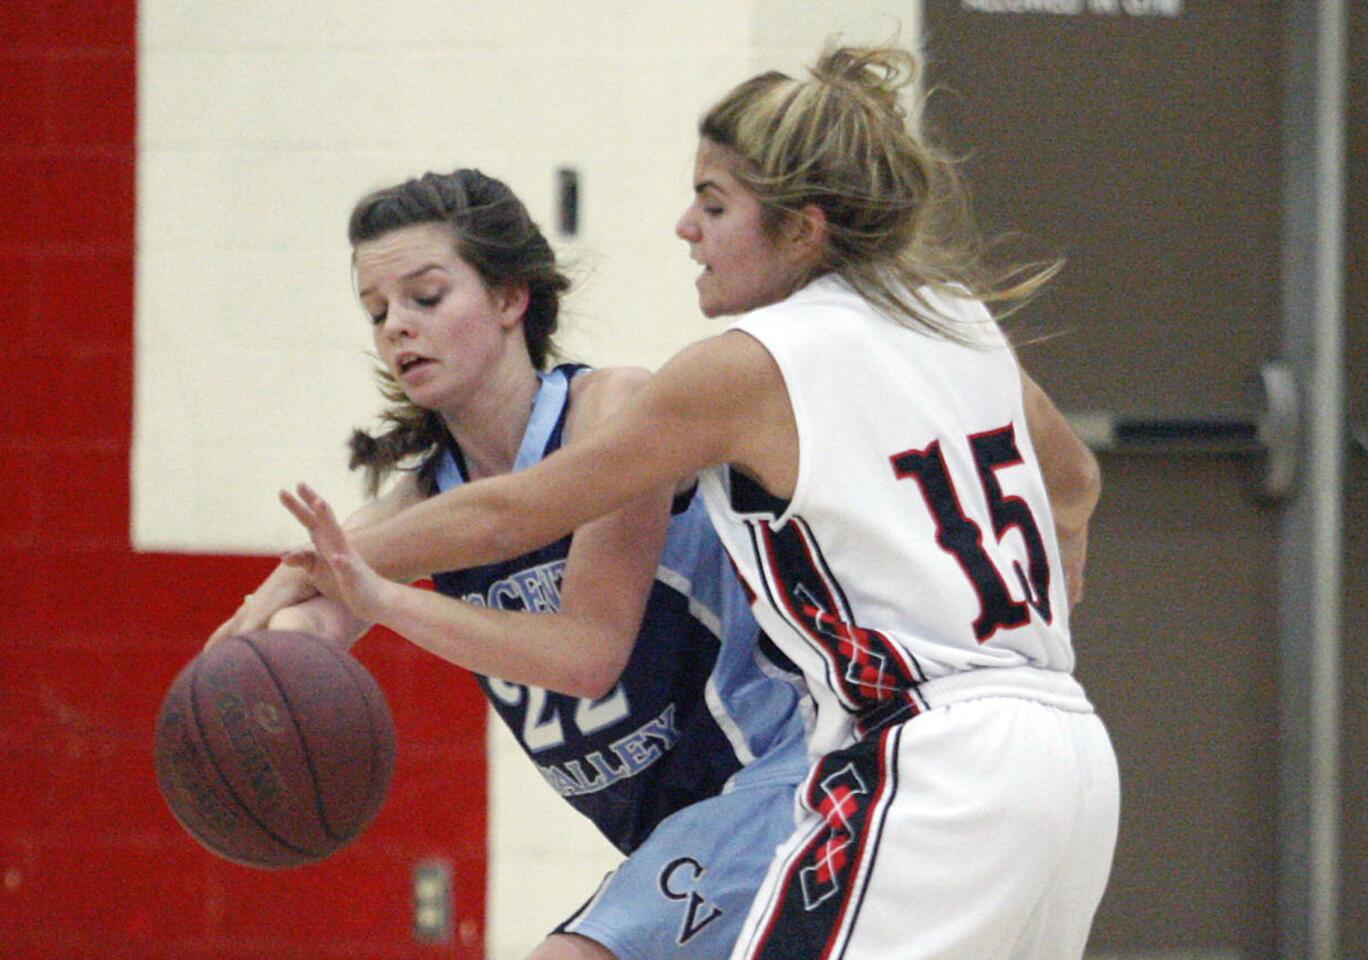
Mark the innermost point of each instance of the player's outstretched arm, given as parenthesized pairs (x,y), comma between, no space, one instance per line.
(287,586)
(702,408)
(580,648)
(1073,480)
(566,652)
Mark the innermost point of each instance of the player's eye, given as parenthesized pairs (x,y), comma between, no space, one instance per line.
(428,302)
(377,318)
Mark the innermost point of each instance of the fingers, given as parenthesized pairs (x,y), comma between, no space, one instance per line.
(300,558)
(327,533)
(284,587)
(313,513)
(227,629)
(304,507)
(300,507)
(320,506)
(354,584)
(242,621)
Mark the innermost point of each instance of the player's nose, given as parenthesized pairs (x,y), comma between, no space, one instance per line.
(398,323)
(686,228)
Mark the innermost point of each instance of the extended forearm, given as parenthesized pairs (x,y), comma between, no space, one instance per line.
(555,651)
(450,531)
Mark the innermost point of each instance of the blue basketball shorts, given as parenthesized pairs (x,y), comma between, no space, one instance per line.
(685,892)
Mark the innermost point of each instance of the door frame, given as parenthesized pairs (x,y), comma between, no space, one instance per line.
(1310,602)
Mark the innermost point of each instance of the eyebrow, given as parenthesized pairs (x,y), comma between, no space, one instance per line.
(411,275)
(703,185)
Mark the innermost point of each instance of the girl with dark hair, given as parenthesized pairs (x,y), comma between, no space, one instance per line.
(623,658)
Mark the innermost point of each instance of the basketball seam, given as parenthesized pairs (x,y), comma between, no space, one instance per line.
(376,795)
(303,746)
(223,778)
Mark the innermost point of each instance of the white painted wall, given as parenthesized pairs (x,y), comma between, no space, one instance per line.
(262,122)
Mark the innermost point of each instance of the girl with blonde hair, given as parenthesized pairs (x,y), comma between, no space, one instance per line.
(906,507)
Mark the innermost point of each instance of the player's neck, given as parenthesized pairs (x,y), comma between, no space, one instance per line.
(490,428)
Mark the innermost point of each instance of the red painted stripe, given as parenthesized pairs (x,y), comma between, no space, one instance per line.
(91,633)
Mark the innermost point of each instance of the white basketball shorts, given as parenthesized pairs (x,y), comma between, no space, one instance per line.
(983,828)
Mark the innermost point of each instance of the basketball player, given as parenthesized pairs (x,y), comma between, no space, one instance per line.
(862,436)
(624,659)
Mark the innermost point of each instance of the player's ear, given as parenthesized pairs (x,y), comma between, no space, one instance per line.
(805,235)
(511,300)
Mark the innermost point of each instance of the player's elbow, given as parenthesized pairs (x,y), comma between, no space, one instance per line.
(1078,491)
(598,665)
(589,685)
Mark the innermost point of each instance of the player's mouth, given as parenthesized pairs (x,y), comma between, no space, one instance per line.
(408,363)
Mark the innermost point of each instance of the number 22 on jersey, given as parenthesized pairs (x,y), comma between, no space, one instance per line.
(962,537)
(542,726)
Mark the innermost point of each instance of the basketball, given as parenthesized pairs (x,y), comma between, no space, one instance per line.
(274,748)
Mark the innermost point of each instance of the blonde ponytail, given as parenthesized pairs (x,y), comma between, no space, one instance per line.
(849,140)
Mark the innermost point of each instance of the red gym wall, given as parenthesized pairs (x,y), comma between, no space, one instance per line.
(91,633)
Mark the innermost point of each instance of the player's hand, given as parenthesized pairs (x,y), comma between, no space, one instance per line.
(285,587)
(321,617)
(332,566)
(297,618)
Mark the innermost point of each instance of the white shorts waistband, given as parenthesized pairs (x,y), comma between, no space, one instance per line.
(1026,683)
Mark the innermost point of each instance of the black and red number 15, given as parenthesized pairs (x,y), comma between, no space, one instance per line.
(960,536)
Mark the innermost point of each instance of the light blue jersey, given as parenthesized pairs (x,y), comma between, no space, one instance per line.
(689,765)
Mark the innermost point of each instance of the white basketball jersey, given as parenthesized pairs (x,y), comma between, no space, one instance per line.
(917,562)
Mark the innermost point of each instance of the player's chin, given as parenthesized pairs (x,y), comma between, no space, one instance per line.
(422,395)
(717,301)
(710,304)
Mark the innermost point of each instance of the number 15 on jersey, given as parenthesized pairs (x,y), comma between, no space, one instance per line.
(962,537)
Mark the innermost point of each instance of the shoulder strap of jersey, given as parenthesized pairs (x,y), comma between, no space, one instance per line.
(543,427)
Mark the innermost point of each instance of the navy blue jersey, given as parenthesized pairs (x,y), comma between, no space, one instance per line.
(698,704)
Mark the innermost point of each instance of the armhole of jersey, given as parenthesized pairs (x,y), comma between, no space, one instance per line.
(747,497)
(682,501)
(794,503)
(447,465)
(1025,431)
(773,661)
(572,372)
